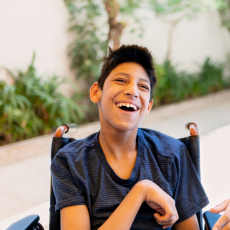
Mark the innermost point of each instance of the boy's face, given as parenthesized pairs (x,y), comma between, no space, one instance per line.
(124,100)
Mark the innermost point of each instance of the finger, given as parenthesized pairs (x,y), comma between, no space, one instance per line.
(166,224)
(221,222)
(164,220)
(220,207)
(161,211)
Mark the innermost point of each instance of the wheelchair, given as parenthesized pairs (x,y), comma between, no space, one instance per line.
(31,222)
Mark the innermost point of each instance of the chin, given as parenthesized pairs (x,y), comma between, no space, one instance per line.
(125,126)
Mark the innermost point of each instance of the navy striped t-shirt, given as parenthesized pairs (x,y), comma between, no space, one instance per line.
(82,175)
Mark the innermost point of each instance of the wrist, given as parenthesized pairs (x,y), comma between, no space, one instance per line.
(141,187)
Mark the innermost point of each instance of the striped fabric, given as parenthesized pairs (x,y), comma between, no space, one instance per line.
(81,175)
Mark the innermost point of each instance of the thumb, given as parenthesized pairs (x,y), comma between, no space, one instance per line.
(220,207)
(165,217)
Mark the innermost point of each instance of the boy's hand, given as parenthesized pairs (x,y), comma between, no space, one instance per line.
(160,201)
(223,222)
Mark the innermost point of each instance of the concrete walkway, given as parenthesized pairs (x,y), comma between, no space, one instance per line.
(24,184)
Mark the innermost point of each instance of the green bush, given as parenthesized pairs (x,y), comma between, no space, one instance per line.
(33,106)
(174,85)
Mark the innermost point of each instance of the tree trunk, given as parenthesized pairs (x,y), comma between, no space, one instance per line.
(170,39)
(115,28)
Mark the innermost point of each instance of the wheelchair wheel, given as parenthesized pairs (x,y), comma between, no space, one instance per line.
(38,226)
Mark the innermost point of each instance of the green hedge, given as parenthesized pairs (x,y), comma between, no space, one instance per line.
(173,85)
(33,106)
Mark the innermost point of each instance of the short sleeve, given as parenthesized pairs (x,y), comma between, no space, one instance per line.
(189,194)
(65,190)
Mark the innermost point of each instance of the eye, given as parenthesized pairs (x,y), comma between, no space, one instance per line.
(145,87)
(120,80)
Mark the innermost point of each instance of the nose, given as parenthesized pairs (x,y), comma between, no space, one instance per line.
(131,90)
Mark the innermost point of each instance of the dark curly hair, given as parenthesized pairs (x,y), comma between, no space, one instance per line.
(129,53)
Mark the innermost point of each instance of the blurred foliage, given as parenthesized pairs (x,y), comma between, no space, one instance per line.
(174,85)
(223,6)
(33,106)
(89,42)
(224,11)
(89,26)
(88,46)
(173,11)
(178,8)
(228,64)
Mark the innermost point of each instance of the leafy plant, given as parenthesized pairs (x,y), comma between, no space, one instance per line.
(174,85)
(93,24)
(90,42)
(33,106)
(211,77)
(223,6)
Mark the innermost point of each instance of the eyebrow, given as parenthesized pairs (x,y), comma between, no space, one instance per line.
(127,75)
(121,73)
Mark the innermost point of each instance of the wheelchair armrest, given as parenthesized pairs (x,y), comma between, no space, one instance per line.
(27,223)
(210,219)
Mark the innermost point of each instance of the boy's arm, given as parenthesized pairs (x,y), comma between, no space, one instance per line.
(77,217)
(189,224)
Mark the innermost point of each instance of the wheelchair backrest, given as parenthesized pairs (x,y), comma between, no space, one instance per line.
(192,143)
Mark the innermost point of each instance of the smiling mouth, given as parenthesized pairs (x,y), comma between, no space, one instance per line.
(127,106)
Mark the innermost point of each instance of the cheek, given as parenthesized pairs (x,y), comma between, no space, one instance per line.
(111,94)
(106,104)
(145,102)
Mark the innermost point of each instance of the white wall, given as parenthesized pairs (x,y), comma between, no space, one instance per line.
(193,41)
(41,25)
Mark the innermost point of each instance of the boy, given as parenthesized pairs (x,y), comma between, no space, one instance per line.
(124,177)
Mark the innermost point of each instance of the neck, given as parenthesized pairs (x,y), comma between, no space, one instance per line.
(118,144)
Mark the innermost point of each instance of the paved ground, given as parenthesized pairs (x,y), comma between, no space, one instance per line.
(24,185)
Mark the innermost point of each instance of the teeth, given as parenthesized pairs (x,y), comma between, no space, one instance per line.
(127,105)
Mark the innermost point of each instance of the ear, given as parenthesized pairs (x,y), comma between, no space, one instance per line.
(95,93)
(150,105)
